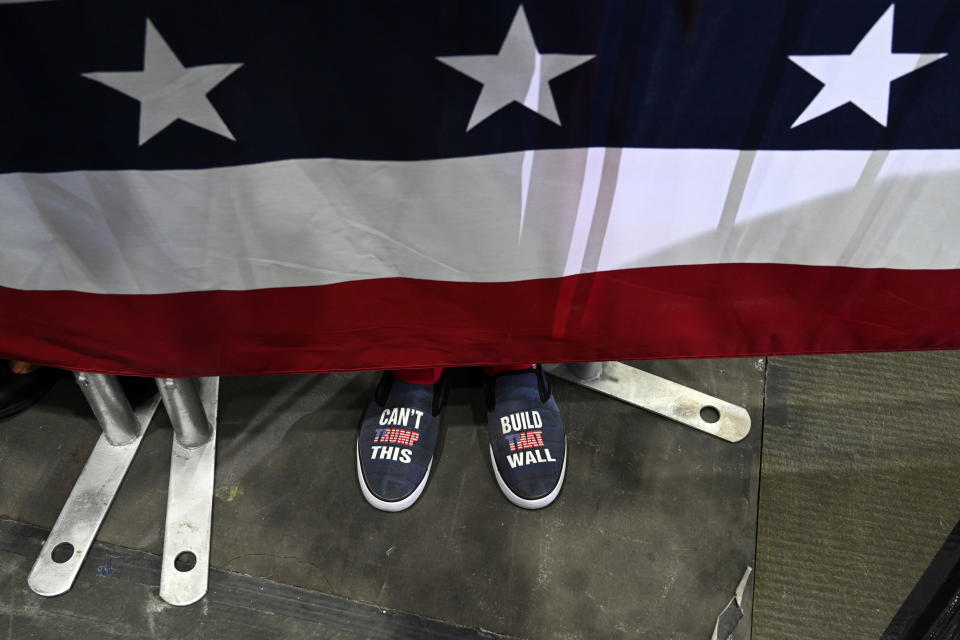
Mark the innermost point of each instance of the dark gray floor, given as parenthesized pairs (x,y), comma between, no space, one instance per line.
(118,600)
(860,487)
(649,538)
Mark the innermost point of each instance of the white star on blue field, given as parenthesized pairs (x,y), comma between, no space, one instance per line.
(517,73)
(167,90)
(863,76)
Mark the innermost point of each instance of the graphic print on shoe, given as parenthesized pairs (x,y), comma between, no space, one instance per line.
(527,441)
(397,441)
(389,443)
(527,447)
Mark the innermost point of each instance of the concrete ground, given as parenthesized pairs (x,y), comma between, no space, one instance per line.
(654,529)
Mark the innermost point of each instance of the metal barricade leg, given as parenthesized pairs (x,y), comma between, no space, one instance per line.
(192,406)
(671,400)
(74,532)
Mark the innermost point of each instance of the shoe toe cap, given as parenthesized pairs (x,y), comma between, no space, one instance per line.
(534,488)
(390,489)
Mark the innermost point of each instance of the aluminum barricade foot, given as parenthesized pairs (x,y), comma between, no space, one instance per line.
(661,396)
(192,406)
(76,527)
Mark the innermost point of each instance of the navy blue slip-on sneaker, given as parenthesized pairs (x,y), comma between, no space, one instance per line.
(397,441)
(528,447)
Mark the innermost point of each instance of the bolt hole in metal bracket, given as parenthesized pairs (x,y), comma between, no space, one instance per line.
(661,396)
(192,406)
(73,533)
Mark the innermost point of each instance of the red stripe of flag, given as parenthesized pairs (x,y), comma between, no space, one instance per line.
(664,312)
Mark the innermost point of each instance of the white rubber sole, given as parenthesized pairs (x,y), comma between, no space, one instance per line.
(395,505)
(523,503)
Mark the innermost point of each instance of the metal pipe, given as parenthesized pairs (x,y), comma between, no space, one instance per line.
(182,400)
(586,371)
(110,406)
